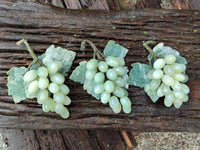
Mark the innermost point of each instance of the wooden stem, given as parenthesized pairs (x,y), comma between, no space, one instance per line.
(98,53)
(33,55)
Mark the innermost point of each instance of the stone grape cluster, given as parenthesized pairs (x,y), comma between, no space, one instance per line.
(168,79)
(49,84)
(109,81)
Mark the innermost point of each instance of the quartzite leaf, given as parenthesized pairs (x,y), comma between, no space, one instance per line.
(78,75)
(138,74)
(115,50)
(60,55)
(152,94)
(16,84)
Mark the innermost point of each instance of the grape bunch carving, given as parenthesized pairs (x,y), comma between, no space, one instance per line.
(43,79)
(105,77)
(167,80)
(52,92)
(163,77)
(108,77)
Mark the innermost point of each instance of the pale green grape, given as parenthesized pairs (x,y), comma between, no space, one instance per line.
(52,110)
(67,100)
(125,101)
(170,59)
(159,92)
(113,102)
(169,81)
(179,77)
(65,114)
(178,67)
(105,97)
(30,75)
(159,63)
(121,61)
(183,67)
(177,103)
(99,88)
(185,89)
(179,94)
(176,86)
(57,78)
(150,74)
(103,66)
(120,70)
(43,83)
(64,89)
(119,82)
(111,74)
(186,78)
(53,67)
(109,86)
(154,84)
(112,61)
(165,89)
(185,99)
(126,110)
(92,64)
(48,105)
(125,91)
(59,97)
(89,75)
(53,88)
(60,108)
(157,74)
(117,109)
(99,77)
(168,69)
(33,87)
(119,92)
(169,99)
(43,72)
(42,96)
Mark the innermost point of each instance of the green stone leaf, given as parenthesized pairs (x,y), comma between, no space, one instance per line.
(89,86)
(138,74)
(16,84)
(115,50)
(161,50)
(60,55)
(152,94)
(78,75)
(181,60)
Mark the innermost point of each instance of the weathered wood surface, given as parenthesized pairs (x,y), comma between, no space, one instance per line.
(43,25)
(123,4)
(62,140)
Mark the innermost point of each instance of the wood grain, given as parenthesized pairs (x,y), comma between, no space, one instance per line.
(63,139)
(44,25)
(122,4)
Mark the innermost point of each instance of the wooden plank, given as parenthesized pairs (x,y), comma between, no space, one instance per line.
(110,139)
(75,4)
(124,4)
(62,139)
(43,25)
(81,139)
(20,139)
(129,139)
(58,3)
